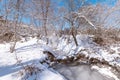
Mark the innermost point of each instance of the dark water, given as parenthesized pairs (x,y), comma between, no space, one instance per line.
(79,72)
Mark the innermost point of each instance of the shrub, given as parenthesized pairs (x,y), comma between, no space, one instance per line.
(106,36)
(29,71)
(98,40)
(6,37)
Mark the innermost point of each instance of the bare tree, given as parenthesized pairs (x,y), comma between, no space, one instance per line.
(73,6)
(17,7)
(40,15)
(45,5)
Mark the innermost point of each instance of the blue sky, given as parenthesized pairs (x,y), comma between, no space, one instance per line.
(60,3)
(92,2)
(109,2)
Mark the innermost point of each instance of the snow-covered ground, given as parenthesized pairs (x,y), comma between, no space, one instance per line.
(28,54)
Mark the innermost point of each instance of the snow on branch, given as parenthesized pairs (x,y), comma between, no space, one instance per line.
(79,15)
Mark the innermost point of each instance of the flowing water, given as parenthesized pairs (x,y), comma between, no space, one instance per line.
(79,72)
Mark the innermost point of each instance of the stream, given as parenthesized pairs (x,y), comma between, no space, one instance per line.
(79,72)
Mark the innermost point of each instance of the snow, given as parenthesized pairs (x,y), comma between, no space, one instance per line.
(31,53)
(81,72)
(105,71)
(52,76)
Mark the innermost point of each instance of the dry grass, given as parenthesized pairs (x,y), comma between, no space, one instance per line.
(104,36)
(29,71)
(6,37)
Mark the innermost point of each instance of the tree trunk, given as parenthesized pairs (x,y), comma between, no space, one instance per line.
(12,48)
(45,22)
(74,37)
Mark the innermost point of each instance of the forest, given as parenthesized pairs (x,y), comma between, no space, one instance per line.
(59,39)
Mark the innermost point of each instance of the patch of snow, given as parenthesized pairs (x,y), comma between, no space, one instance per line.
(106,71)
